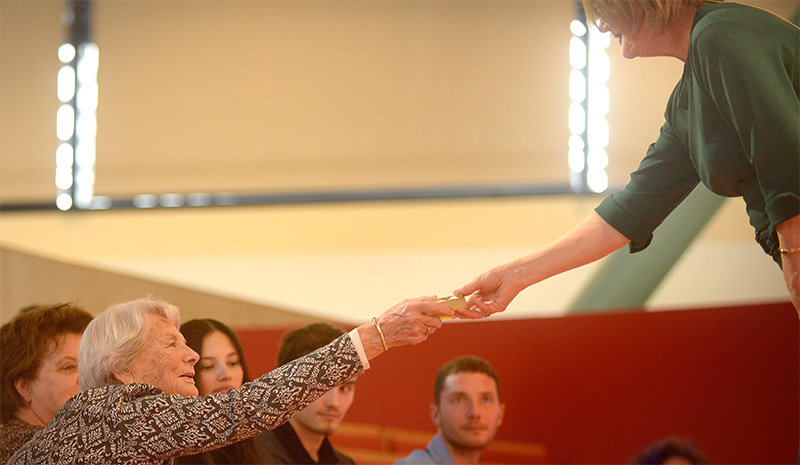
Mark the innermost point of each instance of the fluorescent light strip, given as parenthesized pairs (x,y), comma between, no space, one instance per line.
(597,109)
(85,123)
(65,127)
(76,126)
(589,97)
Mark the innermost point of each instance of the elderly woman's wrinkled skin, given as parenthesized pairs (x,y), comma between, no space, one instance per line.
(165,361)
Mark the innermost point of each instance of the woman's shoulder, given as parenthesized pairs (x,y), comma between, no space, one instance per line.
(735,33)
(104,400)
(15,425)
(13,434)
(711,12)
(114,393)
(729,21)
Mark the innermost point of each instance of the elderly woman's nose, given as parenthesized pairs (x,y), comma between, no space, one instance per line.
(191,356)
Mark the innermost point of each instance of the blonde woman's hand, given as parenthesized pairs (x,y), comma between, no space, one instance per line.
(492,291)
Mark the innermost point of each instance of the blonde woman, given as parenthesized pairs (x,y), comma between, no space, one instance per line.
(732,123)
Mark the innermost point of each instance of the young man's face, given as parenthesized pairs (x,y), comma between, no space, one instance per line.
(469,411)
(325,414)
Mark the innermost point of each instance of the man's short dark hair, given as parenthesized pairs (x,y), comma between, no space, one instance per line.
(659,452)
(464,364)
(305,340)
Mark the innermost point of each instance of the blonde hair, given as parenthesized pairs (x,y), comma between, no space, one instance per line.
(113,340)
(629,15)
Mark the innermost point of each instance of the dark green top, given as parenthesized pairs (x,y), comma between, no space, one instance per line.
(732,123)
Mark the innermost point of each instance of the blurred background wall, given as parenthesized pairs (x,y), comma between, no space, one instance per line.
(291,97)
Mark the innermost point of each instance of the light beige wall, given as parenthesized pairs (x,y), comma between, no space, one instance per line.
(343,261)
(350,261)
(346,259)
(330,95)
(34,280)
(30,32)
(264,95)
(273,95)
(305,228)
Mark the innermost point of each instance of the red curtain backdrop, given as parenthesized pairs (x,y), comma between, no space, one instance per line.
(598,388)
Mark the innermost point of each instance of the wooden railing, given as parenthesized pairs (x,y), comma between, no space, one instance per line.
(376,444)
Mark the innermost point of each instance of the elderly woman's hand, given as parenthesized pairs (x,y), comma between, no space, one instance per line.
(409,322)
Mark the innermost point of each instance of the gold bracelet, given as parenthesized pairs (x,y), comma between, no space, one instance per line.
(378,327)
(794,250)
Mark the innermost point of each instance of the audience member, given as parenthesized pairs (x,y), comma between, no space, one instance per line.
(466,411)
(221,367)
(304,438)
(39,363)
(140,405)
(670,451)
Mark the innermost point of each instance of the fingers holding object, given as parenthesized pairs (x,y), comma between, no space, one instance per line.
(429,325)
(487,304)
(470,313)
(436,307)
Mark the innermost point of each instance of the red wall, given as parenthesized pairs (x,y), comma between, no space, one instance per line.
(597,388)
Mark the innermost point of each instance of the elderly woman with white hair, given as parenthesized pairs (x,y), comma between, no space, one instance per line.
(139,402)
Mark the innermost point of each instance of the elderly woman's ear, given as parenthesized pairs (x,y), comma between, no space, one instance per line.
(124,377)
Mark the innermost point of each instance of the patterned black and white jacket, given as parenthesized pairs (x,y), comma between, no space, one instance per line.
(139,423)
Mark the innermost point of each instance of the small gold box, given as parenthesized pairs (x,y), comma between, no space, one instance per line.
(455,302)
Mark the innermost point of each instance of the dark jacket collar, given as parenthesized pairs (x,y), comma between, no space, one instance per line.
(297,453)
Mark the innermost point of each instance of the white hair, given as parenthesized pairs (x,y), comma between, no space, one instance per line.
(112,340)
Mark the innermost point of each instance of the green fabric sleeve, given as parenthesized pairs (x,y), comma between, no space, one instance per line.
(664,178)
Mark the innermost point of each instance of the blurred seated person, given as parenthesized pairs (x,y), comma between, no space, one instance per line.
(466,411)
(304,438)
(670,451)
(220,368)
(39,363)
(140,405)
